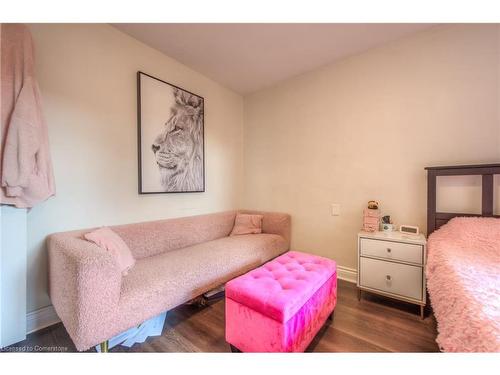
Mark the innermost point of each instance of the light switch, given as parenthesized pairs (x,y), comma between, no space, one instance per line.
(335,209)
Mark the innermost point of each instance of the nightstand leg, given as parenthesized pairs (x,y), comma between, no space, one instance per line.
(359,294)
(422,312)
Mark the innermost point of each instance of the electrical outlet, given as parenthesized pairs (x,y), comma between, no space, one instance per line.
(335,209)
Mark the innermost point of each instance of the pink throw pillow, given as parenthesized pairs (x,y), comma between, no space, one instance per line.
(247,224)
(108,240)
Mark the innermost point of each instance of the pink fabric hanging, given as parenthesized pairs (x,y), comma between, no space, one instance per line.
(26,168)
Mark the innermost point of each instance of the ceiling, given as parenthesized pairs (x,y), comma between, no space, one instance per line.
(250,57)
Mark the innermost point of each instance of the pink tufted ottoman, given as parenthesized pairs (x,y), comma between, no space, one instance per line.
(280,306)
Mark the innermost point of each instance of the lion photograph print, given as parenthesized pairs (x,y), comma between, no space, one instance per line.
(170,137)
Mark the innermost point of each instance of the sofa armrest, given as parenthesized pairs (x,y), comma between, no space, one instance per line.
(274,223)
(84,284)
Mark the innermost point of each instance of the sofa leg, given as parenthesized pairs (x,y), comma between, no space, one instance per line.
(234,349)
(104,346)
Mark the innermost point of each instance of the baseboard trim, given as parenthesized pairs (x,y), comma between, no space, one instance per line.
(347,274)
(41,318)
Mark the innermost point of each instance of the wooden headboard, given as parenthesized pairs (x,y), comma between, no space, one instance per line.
(437,219)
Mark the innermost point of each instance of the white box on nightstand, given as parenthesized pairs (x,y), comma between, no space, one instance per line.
(393,264)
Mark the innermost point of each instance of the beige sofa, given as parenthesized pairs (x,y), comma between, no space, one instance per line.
(176,261)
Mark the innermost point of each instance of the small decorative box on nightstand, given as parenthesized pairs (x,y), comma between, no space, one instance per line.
(393,264)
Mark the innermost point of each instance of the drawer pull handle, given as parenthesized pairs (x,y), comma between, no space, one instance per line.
(388,277)
(388,249)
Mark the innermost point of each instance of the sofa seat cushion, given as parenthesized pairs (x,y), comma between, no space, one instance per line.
(161,282)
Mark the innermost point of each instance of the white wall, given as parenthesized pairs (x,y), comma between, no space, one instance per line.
(87,75)
(365,127)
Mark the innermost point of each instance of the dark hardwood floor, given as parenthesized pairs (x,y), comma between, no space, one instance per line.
(375,324)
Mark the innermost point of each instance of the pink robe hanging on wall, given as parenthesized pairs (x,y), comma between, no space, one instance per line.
(26,168)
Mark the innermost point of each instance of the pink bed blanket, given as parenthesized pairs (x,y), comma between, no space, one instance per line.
(463,280)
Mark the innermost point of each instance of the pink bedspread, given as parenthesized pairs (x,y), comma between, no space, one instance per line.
(463,280)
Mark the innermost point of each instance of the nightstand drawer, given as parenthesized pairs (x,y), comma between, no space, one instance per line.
(400,279)
(391,250)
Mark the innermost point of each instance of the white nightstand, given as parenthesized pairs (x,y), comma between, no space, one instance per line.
(393,264)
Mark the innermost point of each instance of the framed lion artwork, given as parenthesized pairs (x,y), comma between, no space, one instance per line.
(170,138)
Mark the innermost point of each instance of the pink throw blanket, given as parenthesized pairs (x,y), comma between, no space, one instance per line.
(463,280)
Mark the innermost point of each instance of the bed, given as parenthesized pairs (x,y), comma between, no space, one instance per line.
(463,267)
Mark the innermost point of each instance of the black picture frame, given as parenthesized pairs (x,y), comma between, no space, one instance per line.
(141,75)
